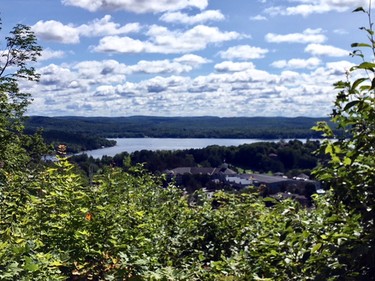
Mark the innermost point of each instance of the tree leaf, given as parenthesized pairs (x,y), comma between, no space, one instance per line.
(367,65)
(347,161)
(354,45)
(372,84)
(316,248)
(30,265)
(351,104)
(358,82)
(359,9)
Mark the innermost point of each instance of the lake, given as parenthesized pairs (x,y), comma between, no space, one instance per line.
(133,144)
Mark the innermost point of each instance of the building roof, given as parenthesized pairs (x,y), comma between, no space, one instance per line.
(238,180)
(267,178)
(202,171)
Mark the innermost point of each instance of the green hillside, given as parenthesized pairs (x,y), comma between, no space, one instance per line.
(181,127)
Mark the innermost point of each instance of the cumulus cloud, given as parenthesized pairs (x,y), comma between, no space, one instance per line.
(117,44)
(326,50)
(104,26)
(187,79)
(338,68)
(70,34)
(205,16)
(98,72)
(137,6)
(308,7)
(243,52)
(159,67)
(56,31)
(48,54)
(237,89)
(164,41)
(297,63)
(229,66)
(192,59)
(307,36)
(56,77)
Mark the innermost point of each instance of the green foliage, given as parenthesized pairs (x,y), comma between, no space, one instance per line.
(75,142)
(21,49)
(350,170)
(55,225)
(126,226)
(292,157)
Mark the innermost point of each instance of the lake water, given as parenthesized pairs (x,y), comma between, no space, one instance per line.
(133,144)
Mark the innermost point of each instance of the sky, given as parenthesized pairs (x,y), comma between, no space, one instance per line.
(187,57)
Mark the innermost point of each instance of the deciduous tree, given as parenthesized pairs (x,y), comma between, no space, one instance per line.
(350,171)
(21,50)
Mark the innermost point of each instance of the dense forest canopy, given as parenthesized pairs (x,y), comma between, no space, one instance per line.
(181,127)
(124,224)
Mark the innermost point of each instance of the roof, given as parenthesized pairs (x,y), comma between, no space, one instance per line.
(267,178)
(303,176)
(202,171)
(181,170)
(238,180)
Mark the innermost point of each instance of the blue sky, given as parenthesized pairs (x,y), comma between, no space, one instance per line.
(188,57)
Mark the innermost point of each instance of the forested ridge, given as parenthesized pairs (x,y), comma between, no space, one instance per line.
(180,127)
(87,133)
(125,224)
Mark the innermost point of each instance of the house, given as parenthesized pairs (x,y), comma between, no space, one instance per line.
(274,184)
(238,181)
(302,177)
(267,184)
(214,173)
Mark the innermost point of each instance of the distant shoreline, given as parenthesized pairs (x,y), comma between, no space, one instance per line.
(131,145)
(180,127)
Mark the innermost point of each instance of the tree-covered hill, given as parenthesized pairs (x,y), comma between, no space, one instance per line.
(181,127)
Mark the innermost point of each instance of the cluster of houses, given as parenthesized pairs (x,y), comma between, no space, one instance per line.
(268,185)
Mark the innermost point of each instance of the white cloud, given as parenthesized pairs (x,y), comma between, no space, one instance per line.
(325,50)
(55,77)
(297,63)
(303,10)
(309,7)
(65,86)
(99,88)
(116,44)
(70,34)
(205,16)
(56,31)
(340,31)
(163,84)
(137,6)
(258,18)
(192,59)
(339,68)
(100,72)
(288,76)
(243,52)
(159,67)
(3,57)
(104,26)
(229,66)
(307,36)
(48,54)
(164,41)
